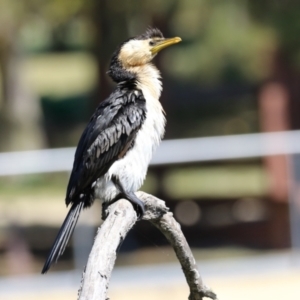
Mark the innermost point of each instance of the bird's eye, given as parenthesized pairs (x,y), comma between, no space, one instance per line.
(151,43)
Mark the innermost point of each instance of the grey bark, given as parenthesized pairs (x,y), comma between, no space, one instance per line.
(119,219)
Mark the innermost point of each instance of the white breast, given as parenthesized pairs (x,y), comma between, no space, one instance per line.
(132,168)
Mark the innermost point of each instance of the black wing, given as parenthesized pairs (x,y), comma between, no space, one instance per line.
(107,137)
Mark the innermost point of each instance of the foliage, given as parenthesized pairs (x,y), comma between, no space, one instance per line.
(225,41)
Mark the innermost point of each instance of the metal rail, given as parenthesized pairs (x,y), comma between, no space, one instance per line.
(170,152)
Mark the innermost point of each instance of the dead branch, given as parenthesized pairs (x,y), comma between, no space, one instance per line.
(119,219)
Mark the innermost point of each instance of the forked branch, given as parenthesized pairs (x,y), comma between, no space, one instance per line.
(119,219)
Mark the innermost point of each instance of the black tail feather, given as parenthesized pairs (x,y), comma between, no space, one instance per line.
(63,235)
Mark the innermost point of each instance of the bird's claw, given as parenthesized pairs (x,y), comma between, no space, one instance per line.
(140,210)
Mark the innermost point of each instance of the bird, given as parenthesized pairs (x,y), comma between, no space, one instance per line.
(115,149)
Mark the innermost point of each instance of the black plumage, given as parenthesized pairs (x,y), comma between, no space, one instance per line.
(124,113)
(103,142)
(150,33)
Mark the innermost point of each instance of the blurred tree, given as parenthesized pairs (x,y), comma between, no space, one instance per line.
(34,24)
(224,43)
(19,110)
(280,95)
(283,17)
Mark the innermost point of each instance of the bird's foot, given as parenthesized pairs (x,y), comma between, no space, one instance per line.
(137,204)
(139,208)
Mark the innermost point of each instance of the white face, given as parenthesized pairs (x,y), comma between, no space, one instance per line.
(136,53)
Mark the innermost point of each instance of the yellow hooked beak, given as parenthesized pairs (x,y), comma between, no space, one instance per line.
(164,44)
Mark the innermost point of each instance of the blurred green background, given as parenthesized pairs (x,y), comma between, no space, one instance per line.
(235,72)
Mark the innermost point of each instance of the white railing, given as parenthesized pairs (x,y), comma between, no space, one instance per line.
(170,152)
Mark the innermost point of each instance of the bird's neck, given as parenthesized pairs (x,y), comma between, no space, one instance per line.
(148,79)
(144,77)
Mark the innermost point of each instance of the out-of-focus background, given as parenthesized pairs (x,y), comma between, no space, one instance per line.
(232,183)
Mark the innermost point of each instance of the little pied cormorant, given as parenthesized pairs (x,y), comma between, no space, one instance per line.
(115,149)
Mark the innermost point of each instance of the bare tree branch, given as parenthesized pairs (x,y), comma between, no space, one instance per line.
(119,219)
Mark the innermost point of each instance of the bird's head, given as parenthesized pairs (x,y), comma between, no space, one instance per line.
(139,51)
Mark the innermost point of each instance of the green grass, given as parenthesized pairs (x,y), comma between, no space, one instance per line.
(216,182)
(50,184)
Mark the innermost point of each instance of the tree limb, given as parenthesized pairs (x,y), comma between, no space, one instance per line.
(119,219)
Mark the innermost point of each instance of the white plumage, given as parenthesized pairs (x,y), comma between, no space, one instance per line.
(132,168)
